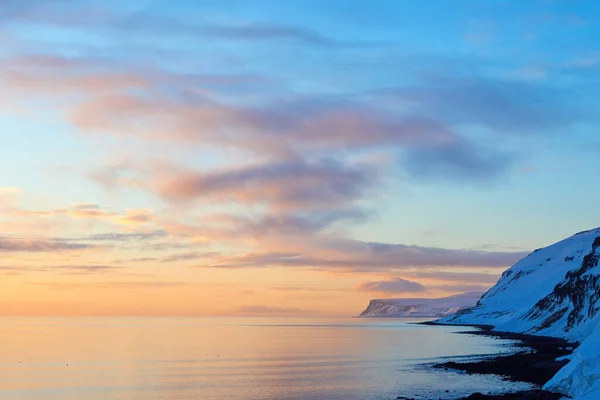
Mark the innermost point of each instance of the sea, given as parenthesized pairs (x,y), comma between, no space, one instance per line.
(224,358)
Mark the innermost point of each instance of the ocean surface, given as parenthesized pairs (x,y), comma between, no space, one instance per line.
(236,358)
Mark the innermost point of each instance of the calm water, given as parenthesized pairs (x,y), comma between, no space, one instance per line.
(234,358)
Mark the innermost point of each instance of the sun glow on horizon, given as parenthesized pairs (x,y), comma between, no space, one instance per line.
(206,159)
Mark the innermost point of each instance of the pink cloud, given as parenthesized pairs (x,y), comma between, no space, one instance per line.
(316,185)
(283,129)
(99,97)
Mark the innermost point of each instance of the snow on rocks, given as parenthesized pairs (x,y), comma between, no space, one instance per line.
(554,291)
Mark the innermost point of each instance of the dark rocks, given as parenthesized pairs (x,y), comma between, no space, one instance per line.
(537,364)
(578,293)
(521,367)
(526,395)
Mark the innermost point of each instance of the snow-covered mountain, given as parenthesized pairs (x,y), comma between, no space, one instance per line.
(420,307)
(554,292)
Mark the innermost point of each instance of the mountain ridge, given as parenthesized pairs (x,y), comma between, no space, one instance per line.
(554,291)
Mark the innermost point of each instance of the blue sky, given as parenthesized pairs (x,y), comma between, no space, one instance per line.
(298,136)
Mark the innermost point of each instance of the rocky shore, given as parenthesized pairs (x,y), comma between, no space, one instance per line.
(536,363)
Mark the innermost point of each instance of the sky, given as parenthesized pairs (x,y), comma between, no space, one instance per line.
(243,158)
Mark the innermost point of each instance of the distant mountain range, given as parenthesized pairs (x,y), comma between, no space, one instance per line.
(554,291)
(394,308)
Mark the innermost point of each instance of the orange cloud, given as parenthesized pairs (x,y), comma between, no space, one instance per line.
(84,211)
(91,214)
(136,217)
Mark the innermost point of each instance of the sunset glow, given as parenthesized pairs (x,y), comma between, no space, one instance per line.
(198,159)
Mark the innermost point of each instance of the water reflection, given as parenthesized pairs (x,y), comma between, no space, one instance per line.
(220,358)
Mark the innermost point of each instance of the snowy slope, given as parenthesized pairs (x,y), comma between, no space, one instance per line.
(554,291)
(420,307)
(580,378)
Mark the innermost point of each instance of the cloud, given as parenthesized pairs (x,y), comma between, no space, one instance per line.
(112,176)
(123,285)
(149,23)
(84,268)
(397,285)
(19,270)
(87,211)
(323,193)
(457,162)
(32,76)
(299,129)
(316,185)
(357,256)
(400,285)
(291,131)
(162,246)
(10,273)
(504,106)
(268,310)
(165,111)
(75,211)
(38,246)
(123,237)
(266,31)
(281,128)
(450,276)
(460,288)
(136,217)
(587,62)
(38,213)
(64,269)
(8,268)
(136,260)
(258,224)
(181,257)
(92,213)
(168,259)
(85,206)
(86,77)
(156,105)
(423,256)
(300,223)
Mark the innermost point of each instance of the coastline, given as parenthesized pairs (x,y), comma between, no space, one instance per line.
(536,363)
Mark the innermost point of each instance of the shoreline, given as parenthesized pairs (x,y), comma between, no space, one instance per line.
(535,363)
